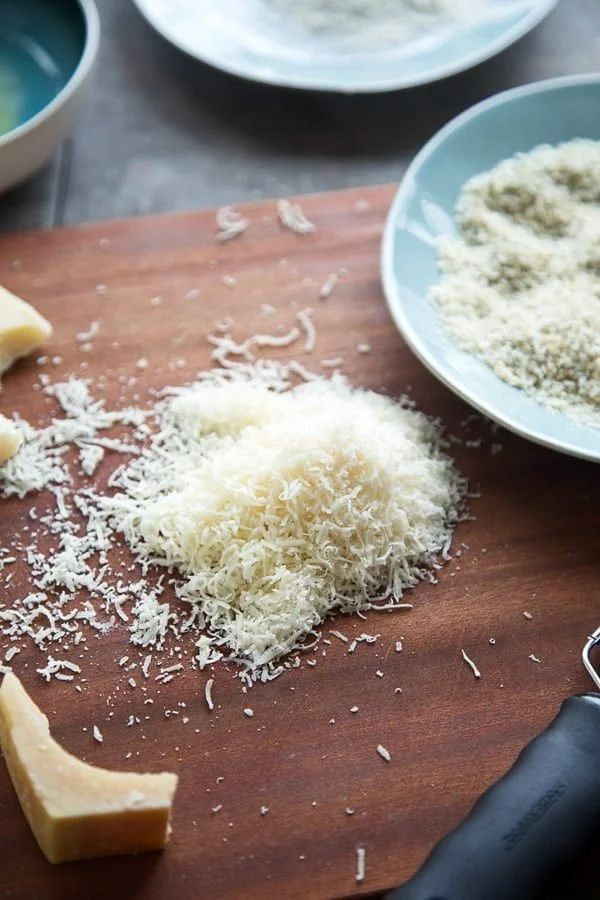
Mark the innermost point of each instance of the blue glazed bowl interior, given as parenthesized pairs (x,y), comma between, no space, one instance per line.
(41,45)
(547,112)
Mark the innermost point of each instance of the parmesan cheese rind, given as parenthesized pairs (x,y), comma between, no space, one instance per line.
(77,811)
(11,439)
(22,329)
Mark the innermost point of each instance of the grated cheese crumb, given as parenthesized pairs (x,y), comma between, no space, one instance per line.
(361,855)
(471,664)
(97,734)
(339,636)
(385,754)
(292,217)
(307,325)
(231,224)
(208,693)
(85,336)
(90,457)
(328,286)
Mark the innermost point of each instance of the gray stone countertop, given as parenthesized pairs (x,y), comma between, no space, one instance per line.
(162,132)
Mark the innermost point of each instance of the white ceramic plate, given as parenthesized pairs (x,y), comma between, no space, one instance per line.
(245,38)
(552,111)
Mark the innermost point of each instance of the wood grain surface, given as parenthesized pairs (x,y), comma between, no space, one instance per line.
(531,546)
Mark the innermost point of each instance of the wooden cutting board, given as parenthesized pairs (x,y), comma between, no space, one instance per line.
(532,547)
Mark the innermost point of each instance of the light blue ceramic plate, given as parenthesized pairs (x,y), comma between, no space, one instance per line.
(550,111)
(245,38)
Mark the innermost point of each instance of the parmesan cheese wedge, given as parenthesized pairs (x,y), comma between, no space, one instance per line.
(77,811)
(22,329)
(11,439)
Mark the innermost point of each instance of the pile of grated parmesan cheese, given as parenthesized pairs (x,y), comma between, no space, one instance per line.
(265,509)
(279,508)
(521,287)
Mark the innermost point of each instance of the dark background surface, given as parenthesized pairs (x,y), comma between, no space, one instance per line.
(162,132)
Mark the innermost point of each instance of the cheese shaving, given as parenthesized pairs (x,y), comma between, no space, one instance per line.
(292,217)
(328,286)
(231,224)
(89,335)
(384,754)
(471,664)
(361,855)
(208,693)
(307,325)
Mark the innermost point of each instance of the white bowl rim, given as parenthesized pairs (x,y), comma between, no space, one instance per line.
(487,51)
(82,70)
(388,274)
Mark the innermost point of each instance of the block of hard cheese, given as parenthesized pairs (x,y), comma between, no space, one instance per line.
(22,329)
(77,811)
(11,439)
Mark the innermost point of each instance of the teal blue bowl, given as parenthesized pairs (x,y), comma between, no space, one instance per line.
(47,50)
(549,112)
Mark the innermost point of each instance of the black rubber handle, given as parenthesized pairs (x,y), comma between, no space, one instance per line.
(530,825)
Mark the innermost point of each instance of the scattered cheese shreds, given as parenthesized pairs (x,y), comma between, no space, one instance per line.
(267,507)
